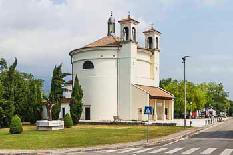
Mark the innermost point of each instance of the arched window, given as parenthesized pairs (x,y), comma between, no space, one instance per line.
(126,33)
(150,42)
(88,65)
(134,34)
(157,42)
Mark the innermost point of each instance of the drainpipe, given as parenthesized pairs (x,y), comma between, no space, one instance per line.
(71,57)
(118,49)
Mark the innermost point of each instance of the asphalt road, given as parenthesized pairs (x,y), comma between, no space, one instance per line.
(217,140)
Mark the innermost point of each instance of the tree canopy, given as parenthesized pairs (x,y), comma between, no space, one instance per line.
(199,96)
(20,93)
(55,96)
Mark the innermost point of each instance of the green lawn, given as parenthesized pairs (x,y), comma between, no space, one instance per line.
(79,136)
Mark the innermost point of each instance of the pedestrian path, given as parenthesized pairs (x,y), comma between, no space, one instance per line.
(164,150)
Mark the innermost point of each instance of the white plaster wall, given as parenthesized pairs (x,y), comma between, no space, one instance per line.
(156,68)
(99,84)
(140,99)
(67,109)
(127,69)
(67,94)
(143,68)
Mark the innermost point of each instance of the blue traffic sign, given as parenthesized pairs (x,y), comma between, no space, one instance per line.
(148,110)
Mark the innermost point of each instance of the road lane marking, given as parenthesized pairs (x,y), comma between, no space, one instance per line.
(190,151)
(106,151)
(143,150)
(227,152)
(159,150)
(128,150)
(209,151)
(174,150)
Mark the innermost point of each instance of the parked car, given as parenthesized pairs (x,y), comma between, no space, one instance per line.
(222,114)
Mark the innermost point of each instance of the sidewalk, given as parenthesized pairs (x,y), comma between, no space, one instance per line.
(152,142)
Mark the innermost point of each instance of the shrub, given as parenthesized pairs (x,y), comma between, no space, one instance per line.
(68,122)
(16,125)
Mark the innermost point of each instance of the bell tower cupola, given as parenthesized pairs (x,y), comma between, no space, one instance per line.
(128,29)
(111,25)
(152,38)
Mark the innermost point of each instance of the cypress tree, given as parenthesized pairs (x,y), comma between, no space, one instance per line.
(76,106)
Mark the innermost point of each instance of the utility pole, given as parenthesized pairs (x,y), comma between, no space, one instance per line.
(185,93)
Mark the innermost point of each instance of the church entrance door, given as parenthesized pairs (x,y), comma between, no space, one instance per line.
(87,113)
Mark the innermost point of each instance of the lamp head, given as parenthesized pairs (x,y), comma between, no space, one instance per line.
(184,58)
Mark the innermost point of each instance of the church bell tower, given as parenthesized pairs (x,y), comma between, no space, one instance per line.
(111,26)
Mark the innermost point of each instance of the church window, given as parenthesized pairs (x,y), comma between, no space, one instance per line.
(88,65)
(150,42)
(126,33)
(157,42)
(134,33)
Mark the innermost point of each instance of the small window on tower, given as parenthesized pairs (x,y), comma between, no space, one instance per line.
(126,33)
(157,42)
(88,65)
(150,42)
(134,34)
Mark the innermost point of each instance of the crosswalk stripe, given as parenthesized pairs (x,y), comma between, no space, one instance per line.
(209,151)
(128,150)
(227,152)
(158,150)
(174,150)
(143,150)
(109,151)
(190,151)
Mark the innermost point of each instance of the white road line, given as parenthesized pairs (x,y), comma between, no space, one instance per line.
(190,151)
(158,150)
(143,150)
(108,151)
(174,150)
(209,151)
(128,150)
(227,152)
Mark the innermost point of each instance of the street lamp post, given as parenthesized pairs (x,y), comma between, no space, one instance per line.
(191,111)
(185,100)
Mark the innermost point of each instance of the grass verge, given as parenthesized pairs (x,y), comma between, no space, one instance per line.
(80,136)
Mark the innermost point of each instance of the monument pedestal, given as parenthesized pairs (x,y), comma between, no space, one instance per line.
(45,125)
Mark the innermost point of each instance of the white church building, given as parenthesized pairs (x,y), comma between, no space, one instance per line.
(119,77)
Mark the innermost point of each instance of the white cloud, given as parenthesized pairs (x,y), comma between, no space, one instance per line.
(41,32)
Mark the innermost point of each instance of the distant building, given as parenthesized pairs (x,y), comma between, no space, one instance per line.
(119,77)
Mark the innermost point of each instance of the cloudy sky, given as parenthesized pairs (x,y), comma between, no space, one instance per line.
(40,33)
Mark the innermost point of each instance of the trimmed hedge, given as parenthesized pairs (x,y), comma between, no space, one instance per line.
(68,122)
(16,125)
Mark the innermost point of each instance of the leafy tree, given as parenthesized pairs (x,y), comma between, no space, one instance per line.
(20,94)
(3,64)
(6,109)
(76,106)
(55,96)
(204,95)
(16,125)
(34,100)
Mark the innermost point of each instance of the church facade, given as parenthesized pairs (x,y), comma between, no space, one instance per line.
(119,77)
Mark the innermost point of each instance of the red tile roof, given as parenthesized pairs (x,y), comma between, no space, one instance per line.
(156,92)
(105,41)
(128,19)
(152,30)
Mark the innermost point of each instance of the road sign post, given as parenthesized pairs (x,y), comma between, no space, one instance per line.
(149,111)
